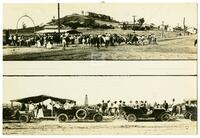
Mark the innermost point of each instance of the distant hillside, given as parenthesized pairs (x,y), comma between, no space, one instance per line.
(77,20)
(90,20)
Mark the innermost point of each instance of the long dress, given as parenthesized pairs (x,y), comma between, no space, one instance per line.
(38,43)
(40,112)
(49,45)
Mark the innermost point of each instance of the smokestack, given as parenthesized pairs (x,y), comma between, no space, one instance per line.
(86,100)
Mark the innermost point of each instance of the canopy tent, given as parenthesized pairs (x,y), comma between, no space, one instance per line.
(49,31)
(41,98)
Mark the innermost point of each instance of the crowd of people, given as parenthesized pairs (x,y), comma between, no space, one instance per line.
(107,108)
(115,108)
(40,110)
(66,39)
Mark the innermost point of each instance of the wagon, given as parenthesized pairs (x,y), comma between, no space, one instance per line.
(131,114)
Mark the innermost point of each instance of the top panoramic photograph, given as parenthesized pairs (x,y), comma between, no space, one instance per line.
(99,31)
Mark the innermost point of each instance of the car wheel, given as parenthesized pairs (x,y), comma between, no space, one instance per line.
(193,117)
(165,117)
(131,118)
(81,114)
(124,115)
(23,119)
(187,115)
(62,118)
(98,117)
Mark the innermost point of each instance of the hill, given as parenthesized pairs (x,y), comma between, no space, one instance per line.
(76,20)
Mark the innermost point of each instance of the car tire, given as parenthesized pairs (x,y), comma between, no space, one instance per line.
(187,115)
(193,117)
(165,117)
(131,118)
(24,119)
(62,118)
(81,114)
(98,117)
(124,115)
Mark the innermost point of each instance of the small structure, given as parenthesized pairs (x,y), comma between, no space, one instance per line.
(73,31)
(49,29)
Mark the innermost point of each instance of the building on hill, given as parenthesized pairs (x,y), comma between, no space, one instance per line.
(99,16)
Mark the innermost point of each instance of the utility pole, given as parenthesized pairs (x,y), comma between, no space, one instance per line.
(134,23)
(59,19)
(184,27)
(163,28)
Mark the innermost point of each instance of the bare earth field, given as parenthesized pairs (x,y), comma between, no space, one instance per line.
(117,127)
(181,47)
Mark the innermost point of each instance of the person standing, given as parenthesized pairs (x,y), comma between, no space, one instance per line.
(115,108)
(174,106)
(109,107)
(40,111)
(165,105)
(136,105)
(130,103)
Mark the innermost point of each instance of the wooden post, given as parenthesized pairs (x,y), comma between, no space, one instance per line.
(52,108)
(134,23)
(163,28)
(59,17)
(184,27)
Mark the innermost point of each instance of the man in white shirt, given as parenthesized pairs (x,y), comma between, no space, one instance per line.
(174,106)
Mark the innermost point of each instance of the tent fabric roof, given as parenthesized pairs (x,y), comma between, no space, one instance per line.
(41,98)
(50,31)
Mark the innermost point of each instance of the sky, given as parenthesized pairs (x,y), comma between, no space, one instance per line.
(171,14)
(156,88)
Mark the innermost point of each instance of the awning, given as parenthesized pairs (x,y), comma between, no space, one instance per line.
(46,31)
(41,98)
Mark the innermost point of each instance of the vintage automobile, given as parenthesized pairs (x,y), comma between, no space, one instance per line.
(190,109)
(24,116)
(133,115)
(61,114)
(79,113)
(10,114)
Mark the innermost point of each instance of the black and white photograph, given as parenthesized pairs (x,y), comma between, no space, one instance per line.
(84,68)
(99,31)
(100,105)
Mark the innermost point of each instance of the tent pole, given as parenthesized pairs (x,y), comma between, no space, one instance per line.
(11,105)
(52,108)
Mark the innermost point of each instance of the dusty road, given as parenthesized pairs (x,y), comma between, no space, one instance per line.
(173,48)
(117,127)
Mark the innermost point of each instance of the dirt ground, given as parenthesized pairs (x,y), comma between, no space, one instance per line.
(116,127)
(181,47)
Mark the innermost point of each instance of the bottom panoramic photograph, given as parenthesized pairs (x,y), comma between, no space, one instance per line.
(116,105)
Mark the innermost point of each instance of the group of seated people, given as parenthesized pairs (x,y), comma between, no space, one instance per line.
(115,108)
(41,110)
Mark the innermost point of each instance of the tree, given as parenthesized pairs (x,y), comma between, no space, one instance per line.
(141,21)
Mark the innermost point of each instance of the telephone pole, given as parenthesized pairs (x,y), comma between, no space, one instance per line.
(59,19)
(184,27)
(163,27)
(134,23)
